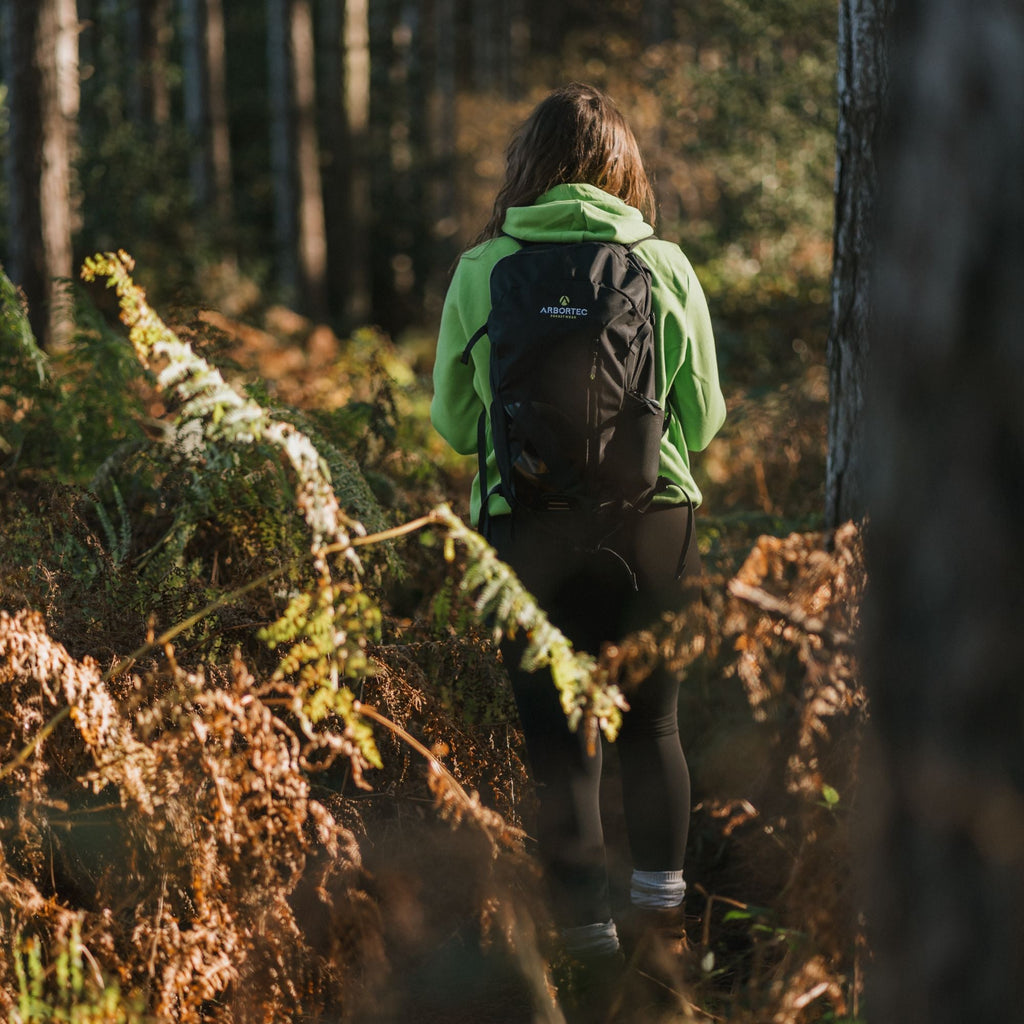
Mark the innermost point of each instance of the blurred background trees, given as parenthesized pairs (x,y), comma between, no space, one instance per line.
(335,155)
(41,71)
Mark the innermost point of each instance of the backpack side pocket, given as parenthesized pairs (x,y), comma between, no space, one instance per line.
(631,453)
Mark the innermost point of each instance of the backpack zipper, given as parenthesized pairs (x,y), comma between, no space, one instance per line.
(593,441)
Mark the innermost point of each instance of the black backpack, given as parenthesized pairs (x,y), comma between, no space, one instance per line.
(574,415)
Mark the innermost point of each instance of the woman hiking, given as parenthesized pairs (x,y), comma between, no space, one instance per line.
(574,173)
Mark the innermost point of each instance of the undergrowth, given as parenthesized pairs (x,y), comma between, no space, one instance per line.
(249,690)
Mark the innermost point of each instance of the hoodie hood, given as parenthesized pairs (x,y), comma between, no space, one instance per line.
(577,213)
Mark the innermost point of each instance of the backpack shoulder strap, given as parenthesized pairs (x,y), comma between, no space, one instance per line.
(482,329)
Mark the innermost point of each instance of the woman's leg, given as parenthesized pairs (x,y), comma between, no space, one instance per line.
(567,778)
(579,593)
(655,776)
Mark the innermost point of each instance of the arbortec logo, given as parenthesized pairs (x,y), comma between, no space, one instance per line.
(564,310)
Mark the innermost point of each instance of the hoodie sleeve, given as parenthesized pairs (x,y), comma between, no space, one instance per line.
(456,406)
(688,346)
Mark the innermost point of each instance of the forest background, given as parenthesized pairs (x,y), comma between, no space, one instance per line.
(185,832)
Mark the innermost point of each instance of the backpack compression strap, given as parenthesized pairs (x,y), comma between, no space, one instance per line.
(477,335)
(481,448)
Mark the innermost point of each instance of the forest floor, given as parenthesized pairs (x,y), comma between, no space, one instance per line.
(436,913)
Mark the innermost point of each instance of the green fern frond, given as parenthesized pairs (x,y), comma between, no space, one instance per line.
(500,599)
(15,330)
(62,989)
(327,634)
(224,415)
(118,539)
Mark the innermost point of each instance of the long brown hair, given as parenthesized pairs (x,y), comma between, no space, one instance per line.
(574,135)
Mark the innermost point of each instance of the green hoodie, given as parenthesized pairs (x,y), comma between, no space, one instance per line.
(686,373)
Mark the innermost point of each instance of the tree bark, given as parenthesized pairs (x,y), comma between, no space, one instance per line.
(444,134)
(282,166)
(382,18)
(43,61)
(862,84)
(299,226)
(658,18)
(215,60)
(410,157)
(944,801)
(151,106)
(69,91)
(357,117)
(518,46)
(204,55)
(496,30)
(312,237)
(196,100)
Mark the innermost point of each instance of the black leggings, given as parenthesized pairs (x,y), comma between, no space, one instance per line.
(592,599)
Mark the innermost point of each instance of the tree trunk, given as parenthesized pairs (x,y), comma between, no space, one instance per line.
(111,31)
(486,60)
(206,111)
(42,59)
(196,100)
(151,100)
(443,136)
(862,84)
(382,179)
(333,147)
(414,253)
(357,116)
(518,46)
(68,88)
(215,60)
(299,226)
(944,801)
(69,91)
(658,20)
(312,237)
(282,166)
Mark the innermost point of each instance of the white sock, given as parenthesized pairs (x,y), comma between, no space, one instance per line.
(598,939)
(657,889)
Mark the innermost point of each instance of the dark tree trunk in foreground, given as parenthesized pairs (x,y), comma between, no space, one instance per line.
(944,799)
(862,83)
(42,58)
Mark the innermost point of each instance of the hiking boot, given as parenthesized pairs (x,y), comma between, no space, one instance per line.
(654,941)
(589,987)
(664,927)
